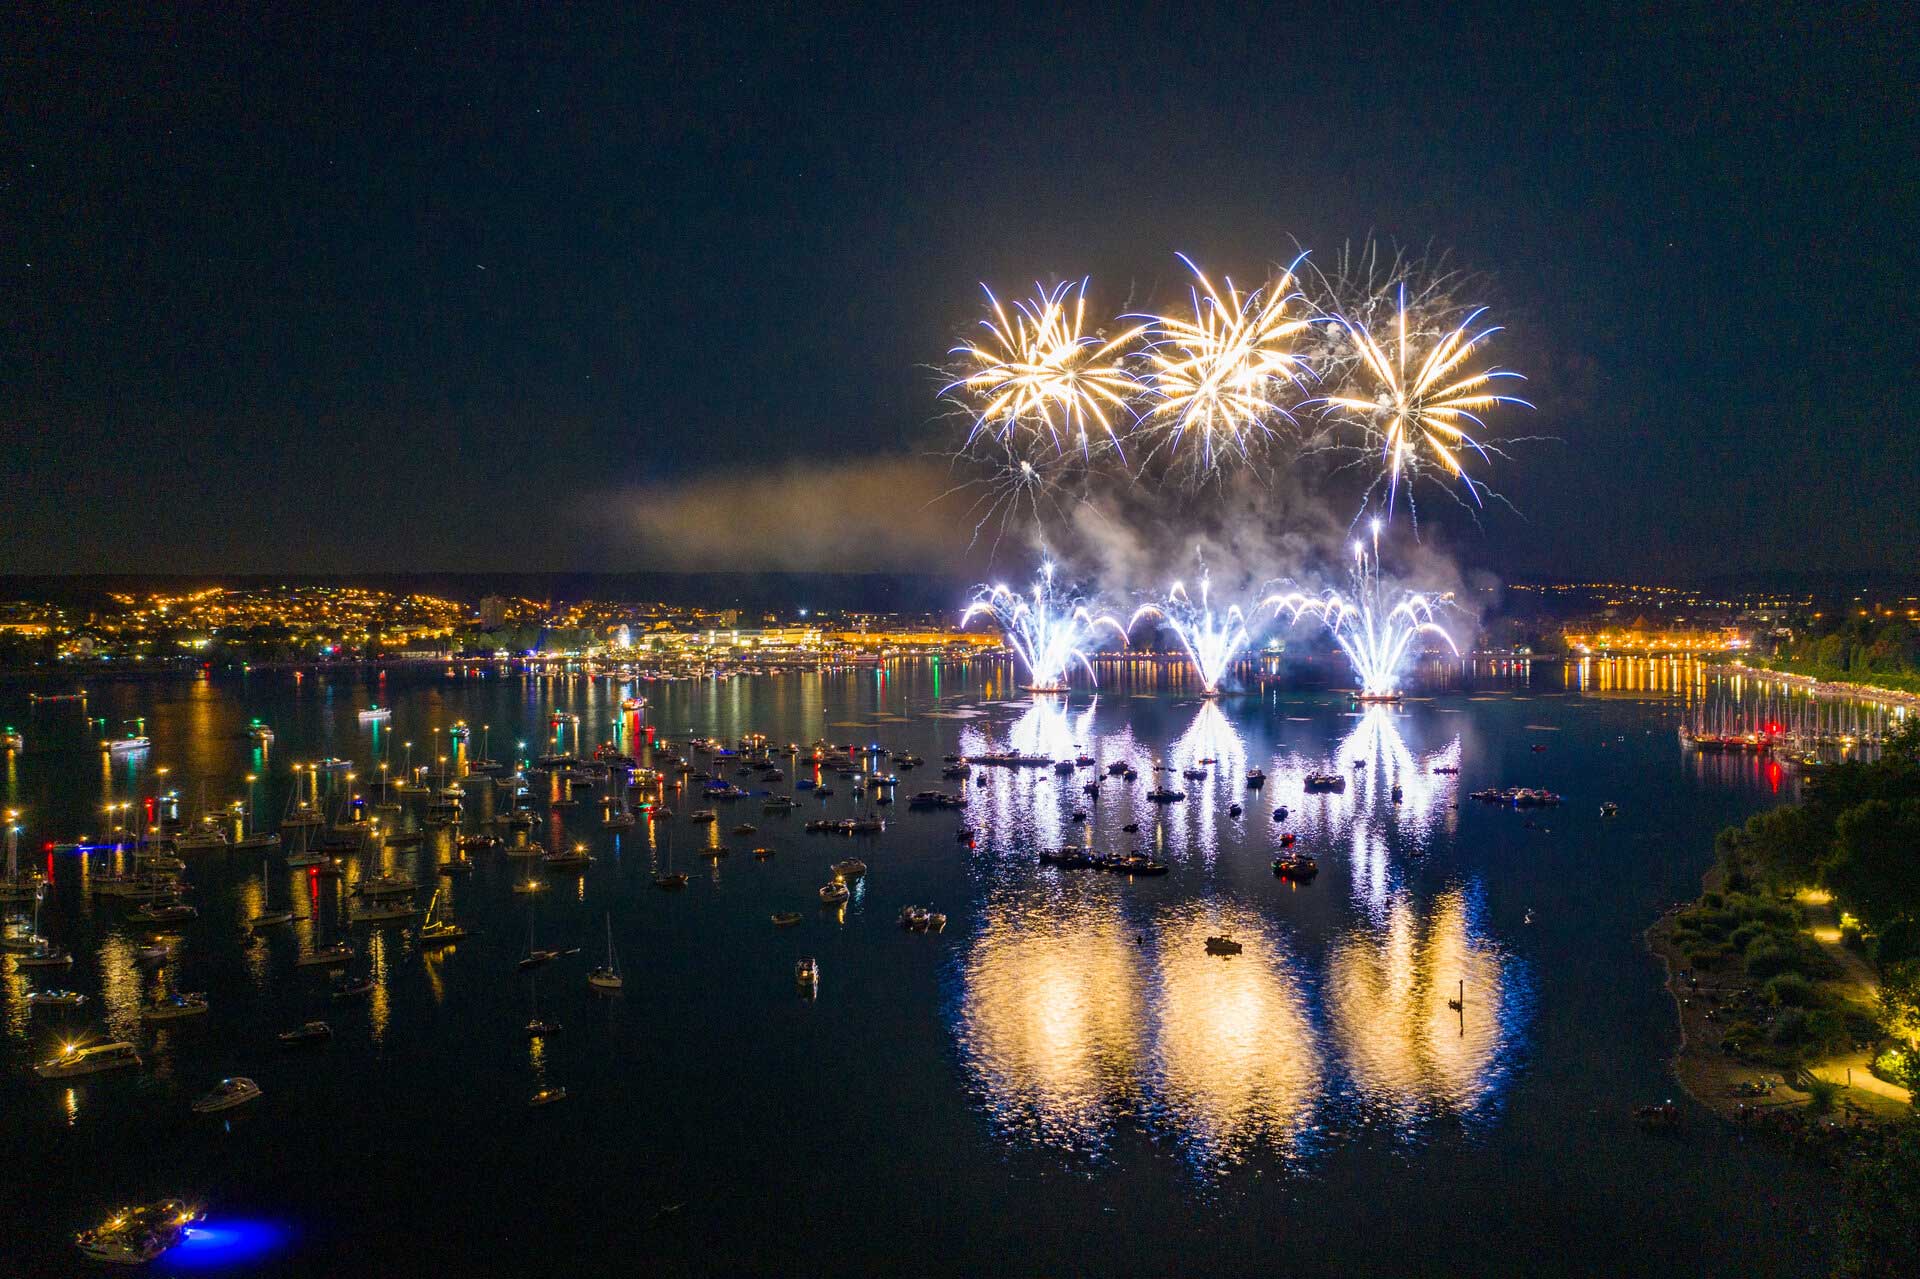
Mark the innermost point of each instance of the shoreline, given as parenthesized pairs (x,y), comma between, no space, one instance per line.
(1833,688)
(1710,1076)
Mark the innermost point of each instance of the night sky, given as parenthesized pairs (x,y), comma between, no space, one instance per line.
(412,291)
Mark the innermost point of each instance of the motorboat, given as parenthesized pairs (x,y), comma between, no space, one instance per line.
(227,1094)
(91,1059)
(849,868)
(163,912)
(834,894)
(313,1032)
(1223,946)
(134,1236)
(1298,867)
(785,918)
(576,858)
(174,1007)
(1325,783)
(353,989)
(806,976)
(376,714)
(55,999)
(547,1096)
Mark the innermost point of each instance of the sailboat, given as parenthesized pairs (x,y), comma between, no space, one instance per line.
(324,956)
(667,879)
(536,1024)
(268,917)
(438,929)
(607,978)
(205,832)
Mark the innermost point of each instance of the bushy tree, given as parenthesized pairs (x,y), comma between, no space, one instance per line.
(1880,1216)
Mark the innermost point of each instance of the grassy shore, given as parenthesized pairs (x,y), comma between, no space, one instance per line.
(1765,993)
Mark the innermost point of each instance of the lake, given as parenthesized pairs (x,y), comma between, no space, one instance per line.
(1064,1080)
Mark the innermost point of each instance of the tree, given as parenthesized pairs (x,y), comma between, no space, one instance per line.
(1875,865)
(1900,1001)
(1880,1217)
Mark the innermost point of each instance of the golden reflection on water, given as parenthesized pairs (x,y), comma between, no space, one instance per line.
(1053,1017)
(1387,993)
(1237,1057)
(1072,1019)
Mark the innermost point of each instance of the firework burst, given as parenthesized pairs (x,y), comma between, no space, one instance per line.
(1218,382)
(1049,633)
(1213,640)
(1037,383)
(1416,392)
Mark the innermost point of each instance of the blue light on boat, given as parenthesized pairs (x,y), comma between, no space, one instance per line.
(220,1242)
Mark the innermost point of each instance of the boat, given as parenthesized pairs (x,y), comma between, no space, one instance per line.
(531,884)
(345,988)
(326,956)
(743,830)
(1223,946)
(160,913)
(382,911)
(935,799)
(547,1096)
(1161,795)
(55,999)
(703,816)
(74,1060)
(227,1094)
(385,884)
(131,744)
(1255,779)
(806,976)
(268,917)
(1325,783)
(134,1236)
(437,929)
(834,894)
(376,714)
(575,859)
(1298,867)
(174,1007)
(44,955)
(313,1032)
(155,954)
(850,868)
(260,732)
(785,918)
(667,878)
(607,977)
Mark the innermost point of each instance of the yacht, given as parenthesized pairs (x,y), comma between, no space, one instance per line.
(92,1059)
(227,1094)
(575,859)
(135,1236)
(173,1008)
(326,956)
(376,714)
(438,929)
(385,884)
(55,999)
(313,1032)
(268,917)
(43,955)
(607,978)
(383,910)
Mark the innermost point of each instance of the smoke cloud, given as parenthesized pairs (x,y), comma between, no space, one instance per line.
(888,514)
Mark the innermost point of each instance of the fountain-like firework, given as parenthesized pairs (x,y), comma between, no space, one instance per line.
(1376,626)
(1213,640)
(1050,634)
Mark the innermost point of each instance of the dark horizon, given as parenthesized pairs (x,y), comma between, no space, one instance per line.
(305,293)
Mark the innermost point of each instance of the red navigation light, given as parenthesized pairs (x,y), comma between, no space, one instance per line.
(1773,728)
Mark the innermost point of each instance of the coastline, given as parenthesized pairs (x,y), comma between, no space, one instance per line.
(1710,1076)
(1833,688)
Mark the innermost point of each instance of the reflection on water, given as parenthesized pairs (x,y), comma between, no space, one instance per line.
(1052,1020)
(1237,1058)
(1409,1054)
(1077,1014)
